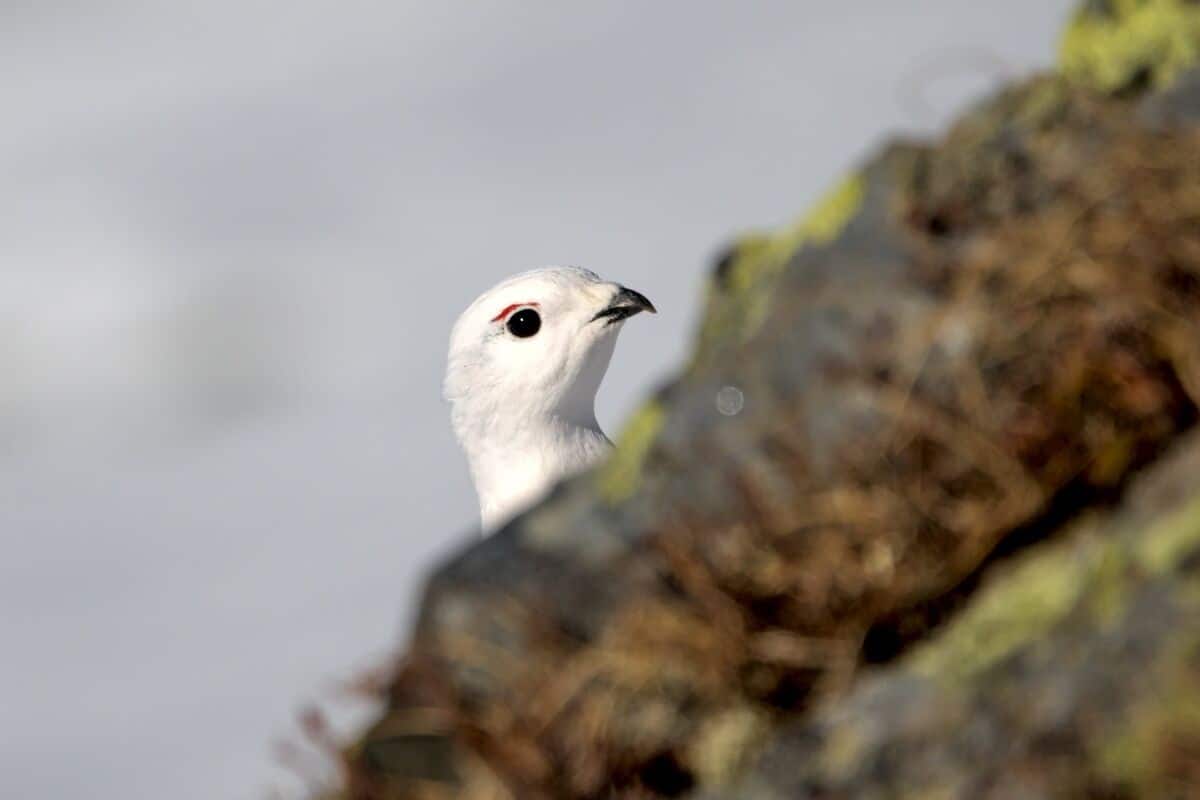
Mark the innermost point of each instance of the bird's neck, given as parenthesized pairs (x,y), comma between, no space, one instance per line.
(519,442)
(514,461)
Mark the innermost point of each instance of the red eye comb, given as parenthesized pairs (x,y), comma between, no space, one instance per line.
(509,309)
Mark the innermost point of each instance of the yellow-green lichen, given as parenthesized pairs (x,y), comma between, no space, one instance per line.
(757,255)
(1050,583)
(1006,615)
(1109,590)
(739,304)
(1130,40)
(619,477)
(1172,540)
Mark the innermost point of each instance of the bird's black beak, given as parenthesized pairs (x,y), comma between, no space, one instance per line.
(624,305)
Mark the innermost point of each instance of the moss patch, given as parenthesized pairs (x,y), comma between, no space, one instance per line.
(619,477)
(1121,43)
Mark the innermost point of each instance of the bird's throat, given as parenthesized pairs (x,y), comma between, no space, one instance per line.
(515,467)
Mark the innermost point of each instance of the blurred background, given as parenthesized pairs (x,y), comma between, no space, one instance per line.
(233,238)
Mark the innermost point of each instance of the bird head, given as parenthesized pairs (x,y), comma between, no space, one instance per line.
(533,346)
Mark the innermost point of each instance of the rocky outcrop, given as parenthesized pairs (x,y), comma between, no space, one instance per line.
(1073,671)
(879,537)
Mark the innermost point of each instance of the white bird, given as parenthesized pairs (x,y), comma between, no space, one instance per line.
(526,359)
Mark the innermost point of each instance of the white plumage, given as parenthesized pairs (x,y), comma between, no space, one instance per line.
(526,359)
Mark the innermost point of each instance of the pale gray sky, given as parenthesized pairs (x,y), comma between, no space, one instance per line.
(233,237)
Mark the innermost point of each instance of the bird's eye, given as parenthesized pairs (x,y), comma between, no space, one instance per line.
(524,323)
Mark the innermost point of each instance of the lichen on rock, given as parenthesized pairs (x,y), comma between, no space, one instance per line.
(618,478)
(740,291)
(1113,45)
(760,255)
